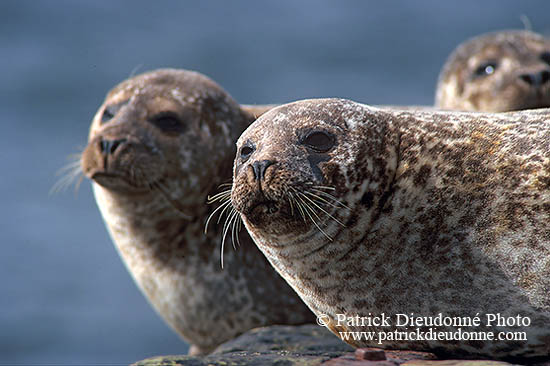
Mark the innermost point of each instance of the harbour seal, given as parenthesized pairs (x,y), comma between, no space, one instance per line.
(375,213)
(158,146)
(497,72)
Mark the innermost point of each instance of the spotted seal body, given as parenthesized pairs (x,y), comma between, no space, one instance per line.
(369,211)
(158,146)
(497,72)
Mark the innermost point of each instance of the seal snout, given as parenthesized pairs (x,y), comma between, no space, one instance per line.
(121,162)
(103,154)
(259,168)
(255,192)
(256,175)
(536,79)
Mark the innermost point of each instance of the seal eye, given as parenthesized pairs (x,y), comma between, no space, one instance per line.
(107,115)
(487,68)
(319,141)
(246,151)
(168,122)
(111,110)
(545,56)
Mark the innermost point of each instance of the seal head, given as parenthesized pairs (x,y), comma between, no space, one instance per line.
(497,72)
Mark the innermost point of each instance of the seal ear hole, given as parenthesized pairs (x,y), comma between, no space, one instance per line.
(320,141)
(485,69)
(168,122)
(545,56)
(245,153)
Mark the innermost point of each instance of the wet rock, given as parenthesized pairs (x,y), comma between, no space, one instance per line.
(307,345)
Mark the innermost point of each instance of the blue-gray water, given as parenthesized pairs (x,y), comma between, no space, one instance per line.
(65,296)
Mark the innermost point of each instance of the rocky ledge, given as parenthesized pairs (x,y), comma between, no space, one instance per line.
(307,345)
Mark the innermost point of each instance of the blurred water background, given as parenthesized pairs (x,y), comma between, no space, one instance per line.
(65,296)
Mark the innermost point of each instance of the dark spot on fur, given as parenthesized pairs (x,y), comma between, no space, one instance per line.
(314,160)
(367,199)
(422,175)
(360,304)
(382,203)
(162,226)
(352,220)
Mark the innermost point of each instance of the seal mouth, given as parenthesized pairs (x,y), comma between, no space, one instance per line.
(115,182)
(539,100)
(543,98)
(101,176)
(262,208)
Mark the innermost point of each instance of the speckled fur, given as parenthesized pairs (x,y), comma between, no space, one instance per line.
(447,212)
(173,262)
(516,52)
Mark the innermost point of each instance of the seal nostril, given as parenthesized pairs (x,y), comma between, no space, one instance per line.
(115,144)
(103,145)
(544,76)
(260,167)
(528,78)
(110,146)
(536,79)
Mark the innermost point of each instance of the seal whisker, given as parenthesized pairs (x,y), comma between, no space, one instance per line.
(79,182)
(227,223)
(219,196)
(290,199)
(235,229)
(226,227)
(68,175)
(320,198)
(324,187)
(322,209)
(223,243)
(222,207)
(229,184)
(302,212)
(309,211)
(329,196)
(228,206)
(298,205)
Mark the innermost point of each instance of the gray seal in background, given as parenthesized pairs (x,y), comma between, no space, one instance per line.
(497,72)
(160,144)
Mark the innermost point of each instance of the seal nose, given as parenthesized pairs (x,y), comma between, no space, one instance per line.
(260,167)
(536,78)
(108,147)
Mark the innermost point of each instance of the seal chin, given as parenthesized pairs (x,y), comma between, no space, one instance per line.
(261,211)
(273,217)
